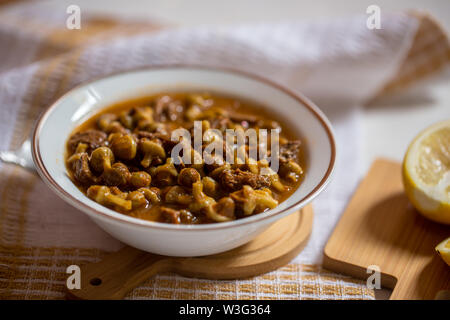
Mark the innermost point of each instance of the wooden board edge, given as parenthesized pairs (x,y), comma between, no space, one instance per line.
(245,273)
(349,269)
(333,264)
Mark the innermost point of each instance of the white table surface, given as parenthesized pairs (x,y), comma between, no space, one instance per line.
(389,126)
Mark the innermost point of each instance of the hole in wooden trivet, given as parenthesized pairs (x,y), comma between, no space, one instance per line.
(96,281)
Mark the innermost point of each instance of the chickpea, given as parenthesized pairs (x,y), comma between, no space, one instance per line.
(143,113)
(126,119)
(188,176)
(116,127)
(137,199)
(202,100)
(140,117)
(105,120)
(140,179)
(124,147)
(193,112)
(152,126)
(166,174)
(101,159)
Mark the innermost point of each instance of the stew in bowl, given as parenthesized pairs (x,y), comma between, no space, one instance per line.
(115,148)
(123,158)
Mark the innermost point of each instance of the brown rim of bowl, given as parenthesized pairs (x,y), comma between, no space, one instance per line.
(42,170)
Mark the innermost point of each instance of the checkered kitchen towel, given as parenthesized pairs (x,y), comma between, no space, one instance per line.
(339,63)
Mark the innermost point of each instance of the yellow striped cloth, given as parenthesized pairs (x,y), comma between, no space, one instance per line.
(40,273)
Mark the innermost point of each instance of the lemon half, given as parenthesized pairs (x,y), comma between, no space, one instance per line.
(426,172)
(443,249)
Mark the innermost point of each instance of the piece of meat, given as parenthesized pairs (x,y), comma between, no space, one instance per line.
(238,117)
(82,172)
(232,180)
(170,215)
(183,216)
(93,138)
(289,151)
(187,217)
(245,119)
(221,123)
(168,109)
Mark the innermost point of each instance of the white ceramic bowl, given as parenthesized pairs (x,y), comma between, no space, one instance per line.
(57,122)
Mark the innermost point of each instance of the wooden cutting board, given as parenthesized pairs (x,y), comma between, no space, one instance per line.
(120,272)
(380,227)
